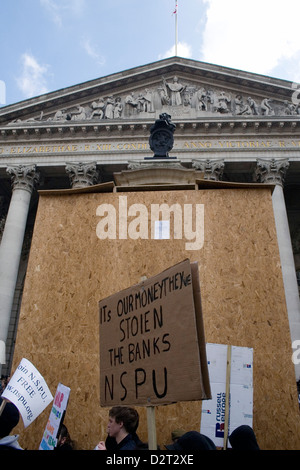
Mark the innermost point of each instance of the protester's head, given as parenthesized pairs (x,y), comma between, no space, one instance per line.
(243,438)
(8,419)
(127,416)
(64,436)
(192,441)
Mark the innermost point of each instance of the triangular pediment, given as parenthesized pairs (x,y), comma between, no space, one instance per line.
(184,88)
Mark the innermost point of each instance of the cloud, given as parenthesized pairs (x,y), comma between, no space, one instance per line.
(92,52)
(57,8)
(54,11)
(183,50)
(251,35)
(32,81)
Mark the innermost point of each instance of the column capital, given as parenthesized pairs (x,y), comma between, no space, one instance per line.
(23,177)
(212,168)
(271,170)
(82,174)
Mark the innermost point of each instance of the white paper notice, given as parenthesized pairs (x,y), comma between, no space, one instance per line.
(162,230)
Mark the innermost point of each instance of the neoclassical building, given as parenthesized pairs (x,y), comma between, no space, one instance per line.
(232,127)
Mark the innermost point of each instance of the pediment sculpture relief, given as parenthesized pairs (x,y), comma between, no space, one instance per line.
(174,97)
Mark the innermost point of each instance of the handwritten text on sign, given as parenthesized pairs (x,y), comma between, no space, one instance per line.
(28,391)
(148,341)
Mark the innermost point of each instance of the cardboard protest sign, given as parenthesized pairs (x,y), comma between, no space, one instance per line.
(151,341)
(56,418)
(28,391)
(241,391)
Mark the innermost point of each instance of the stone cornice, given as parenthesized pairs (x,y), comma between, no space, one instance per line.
(103,128)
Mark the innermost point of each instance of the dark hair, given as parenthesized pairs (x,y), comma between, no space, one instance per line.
(8,419)
(64,441)
(128,416)
(64,433)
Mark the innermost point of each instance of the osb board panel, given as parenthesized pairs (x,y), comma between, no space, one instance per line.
(70,270)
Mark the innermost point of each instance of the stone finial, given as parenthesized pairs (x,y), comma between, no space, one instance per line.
(82,174)
(213,169)
(23,177)
(271,171)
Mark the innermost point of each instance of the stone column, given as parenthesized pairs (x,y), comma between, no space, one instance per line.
(273,171)
(23,181)
(213,169)
(82,174)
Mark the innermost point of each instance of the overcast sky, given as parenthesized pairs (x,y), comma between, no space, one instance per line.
(47,45)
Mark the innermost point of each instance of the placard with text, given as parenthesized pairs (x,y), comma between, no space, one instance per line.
(28,391)
(56,418)
(152,342)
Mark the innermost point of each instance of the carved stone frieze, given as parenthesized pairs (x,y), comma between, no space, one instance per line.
(173,96)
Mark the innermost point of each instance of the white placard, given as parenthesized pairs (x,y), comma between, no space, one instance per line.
(57,414)
(241,391)
(28,391)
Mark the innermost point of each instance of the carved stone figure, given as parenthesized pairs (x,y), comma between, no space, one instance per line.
(266,108)
(98,109)
(223,103)
(79,114)
(164,97)
(290,109)
(201,97)
(188,95)
(240,107)
(176,89)
(61,115)
(131,104)
(109,110)
(145,102)
(118,108)
(253,105)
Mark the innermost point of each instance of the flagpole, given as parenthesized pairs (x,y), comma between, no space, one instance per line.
(176,27)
